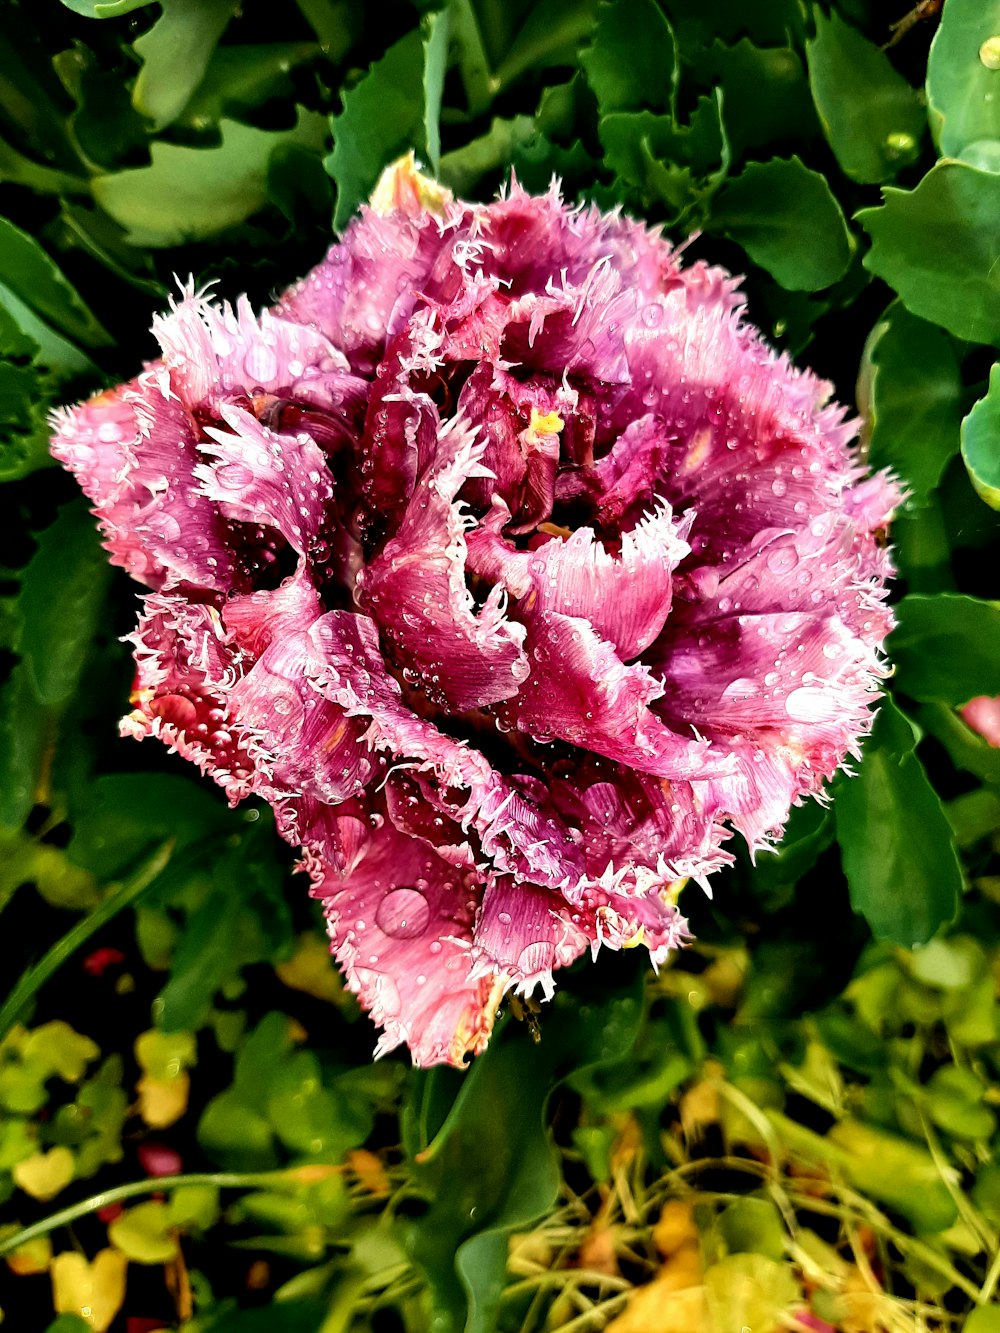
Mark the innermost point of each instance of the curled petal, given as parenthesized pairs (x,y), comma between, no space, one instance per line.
(186,667)
(401,921)
(134,450)
(625,597)
(416,590)
(258,476)
(582,692)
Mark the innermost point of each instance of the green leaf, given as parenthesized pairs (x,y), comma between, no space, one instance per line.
(770,24)
(896,1172)
(985,1319)
(916,401)
(896,845)
(631,63)
(946,648)
(871,116)
(463,168)
(981,443)
(937,247)
(753,1226)
(550,35)
(751,120)
(235,1135)
(28,272)
(175,53)
(104,9)
(240,78)
(666,163)
(128,812)
(787,220)
(61,601)
(144,1233)
(335,23)
(749,1291)
(963,89)
(481,1183)
(382,118)
(192,193)
(436,50)
(55,353)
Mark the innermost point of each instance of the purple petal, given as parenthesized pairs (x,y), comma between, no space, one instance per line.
(625,597)
(134,450)
(415,588)
(400,919)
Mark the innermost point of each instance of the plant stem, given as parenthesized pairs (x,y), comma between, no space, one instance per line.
(127,892)
(136,1188)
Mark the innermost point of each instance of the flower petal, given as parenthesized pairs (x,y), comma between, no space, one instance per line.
(416,590)
(401,920)
(134,450)
(625,597)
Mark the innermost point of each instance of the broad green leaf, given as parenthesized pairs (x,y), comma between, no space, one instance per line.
(916,401)
(482,1184)
(896,1172)
(28,272)
(550,35)
(191,193)
(750,1291)
(984,1319)
(244,919)
(981,443)
(26,731)
(335,23)
(679,166)
(699,22)
(61,601)
(753,1226)
(311,1119)
(235,1135)
(946,648)
(742,70)
(382,118)
(240,78)
(462,168)
(896,845)
(24,394)
(937,245)
(55,353)
(871,116)
(963,82)
(808,832)
(631,63)
(787,220)
(145,1234)
(954,1103)
(175,53)
(128,812)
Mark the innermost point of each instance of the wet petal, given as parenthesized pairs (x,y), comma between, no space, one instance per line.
(415,588)
(400,919)
(625,597)
(134,450)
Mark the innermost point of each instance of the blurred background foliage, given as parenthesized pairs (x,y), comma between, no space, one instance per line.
(795,1124)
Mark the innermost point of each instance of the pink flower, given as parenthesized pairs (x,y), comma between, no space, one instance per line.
(982,714)
(506,561)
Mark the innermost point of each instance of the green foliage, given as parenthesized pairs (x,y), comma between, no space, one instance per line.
(166,999)
(980,430)
(895,841)
(871,116)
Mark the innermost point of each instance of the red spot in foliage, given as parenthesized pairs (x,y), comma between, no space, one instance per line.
(97,963)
